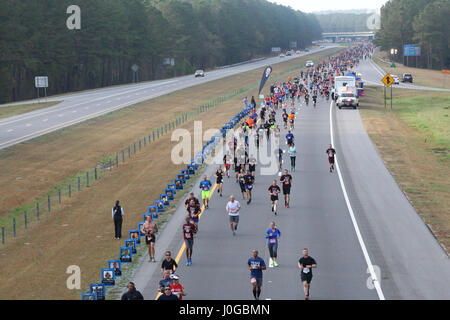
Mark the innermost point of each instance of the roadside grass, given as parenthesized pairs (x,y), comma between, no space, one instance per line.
(50,162)
(414,142)
(80,230)
(10,111)
(421,77)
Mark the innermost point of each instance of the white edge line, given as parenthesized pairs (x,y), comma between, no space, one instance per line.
(375,280)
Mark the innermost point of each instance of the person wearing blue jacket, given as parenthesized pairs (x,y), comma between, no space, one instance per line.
(272,236)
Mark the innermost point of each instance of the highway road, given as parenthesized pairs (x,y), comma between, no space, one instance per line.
(79,107)
(350,219)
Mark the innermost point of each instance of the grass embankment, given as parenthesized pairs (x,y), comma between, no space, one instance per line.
(80,231)
(414,141)
(10,111)
(421,77)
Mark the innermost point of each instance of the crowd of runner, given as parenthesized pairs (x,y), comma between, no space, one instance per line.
(314,83)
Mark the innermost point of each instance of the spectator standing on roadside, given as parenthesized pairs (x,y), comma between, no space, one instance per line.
(132,293)
(117,216)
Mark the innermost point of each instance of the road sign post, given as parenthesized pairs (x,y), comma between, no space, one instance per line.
(387,81)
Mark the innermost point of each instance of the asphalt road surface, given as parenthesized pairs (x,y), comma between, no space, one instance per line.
(350,220)
(78,107)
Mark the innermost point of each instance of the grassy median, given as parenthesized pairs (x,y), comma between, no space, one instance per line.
(10,111)
(414,141)
(80,231)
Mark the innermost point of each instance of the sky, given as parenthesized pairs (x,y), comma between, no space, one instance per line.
(321,5)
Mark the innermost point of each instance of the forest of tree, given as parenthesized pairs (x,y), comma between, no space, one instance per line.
(422,22)
(343,22)
(115,34)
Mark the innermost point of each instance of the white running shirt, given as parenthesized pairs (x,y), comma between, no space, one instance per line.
(233,206)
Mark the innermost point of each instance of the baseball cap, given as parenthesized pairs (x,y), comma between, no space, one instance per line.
(175,277)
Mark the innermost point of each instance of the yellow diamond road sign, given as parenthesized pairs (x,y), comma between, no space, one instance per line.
(388,80)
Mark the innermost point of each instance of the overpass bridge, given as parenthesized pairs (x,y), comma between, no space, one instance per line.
(337,35)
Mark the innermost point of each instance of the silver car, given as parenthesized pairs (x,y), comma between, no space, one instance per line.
(199,73)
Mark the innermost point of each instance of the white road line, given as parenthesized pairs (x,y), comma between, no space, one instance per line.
(10,130)
(45,120)
(28,125)
(375,280)
(60,115)
(74,111)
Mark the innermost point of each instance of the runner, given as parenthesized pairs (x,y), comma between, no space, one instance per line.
(232,208)
(177,288)
(286,180)
(274,190)
(252,166)
(272,236)
(249,179)
(227,164)
(280,159)
(285,119)
(194,211)
(241,179)
(188,234)
(205,186)
(305,264)
(256,265)
(191,197)
(291,120)
(289,138)
(149,228)
(219,179)
(293,155)
(331,153)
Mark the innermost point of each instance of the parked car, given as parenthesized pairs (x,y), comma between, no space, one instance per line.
(199,73)
(309,63)
(288,53)
(298,52)
(282,55)
(407,77)
(396,79)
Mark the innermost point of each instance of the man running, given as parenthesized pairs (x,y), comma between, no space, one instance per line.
(305,264)
(219,179)
(233,207)
(285,117)
(205,186)
(256,265)
(249,179)
(291,120)
(272,236)
(188,234)
(280,159)
(274,190)
(193,211)
(286,180)
(331,153)
(289,138)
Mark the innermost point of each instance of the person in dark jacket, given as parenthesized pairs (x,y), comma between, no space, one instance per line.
(132,293)
(168,295)
(117,215)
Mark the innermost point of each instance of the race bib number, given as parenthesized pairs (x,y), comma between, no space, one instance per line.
(187,235)
(273,241)
(253,280)
(305,270)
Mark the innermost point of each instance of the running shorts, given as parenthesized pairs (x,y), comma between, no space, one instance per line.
(149,239)
(206,194)
(252,167)
(219,180)
(306,277)
(258,281)
(189,243)
(234,219)
(273,198)
(331,160)
(286,190)
(248,187)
